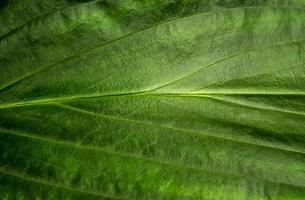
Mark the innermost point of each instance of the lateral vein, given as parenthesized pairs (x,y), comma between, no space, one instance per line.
(60,142)
(40,181)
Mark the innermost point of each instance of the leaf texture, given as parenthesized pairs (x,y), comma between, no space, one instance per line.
(167,99)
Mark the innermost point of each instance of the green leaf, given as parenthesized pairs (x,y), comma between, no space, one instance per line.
(167,99)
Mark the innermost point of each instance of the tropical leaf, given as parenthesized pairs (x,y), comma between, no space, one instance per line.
(167,99)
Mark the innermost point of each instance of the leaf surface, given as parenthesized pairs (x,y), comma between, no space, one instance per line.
(152,100)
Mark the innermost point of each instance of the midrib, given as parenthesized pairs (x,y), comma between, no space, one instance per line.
(49,101)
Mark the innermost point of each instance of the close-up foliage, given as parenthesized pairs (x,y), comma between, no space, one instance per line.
(152,99)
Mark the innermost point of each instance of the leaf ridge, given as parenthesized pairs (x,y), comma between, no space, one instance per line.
(40,181)
(47,101)
(272,109)
(20,27)
(194,132)
(253,76)
(96,148)
(244,52)
(141,30)
(94,1)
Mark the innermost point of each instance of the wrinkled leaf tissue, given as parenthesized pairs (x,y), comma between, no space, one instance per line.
(147,100)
